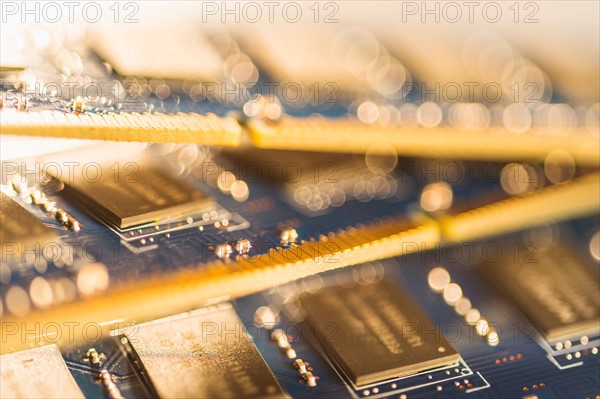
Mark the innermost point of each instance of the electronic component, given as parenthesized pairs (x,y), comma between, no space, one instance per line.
(243,246)
(554,288)
(146,196)
(156,127)
(94,357)
(78,105)
(288,236)
(204,353)
(302,59)
(281,339)
(304,370)
(178,53)
(223,251)
(20,230)
(39,198)
(351,136)
(375,332)
(37,373)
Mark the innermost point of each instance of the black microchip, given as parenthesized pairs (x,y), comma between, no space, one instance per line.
(20,231)
(555,289)
(375,332)
(146,196)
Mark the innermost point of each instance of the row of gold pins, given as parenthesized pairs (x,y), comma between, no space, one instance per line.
(157,121)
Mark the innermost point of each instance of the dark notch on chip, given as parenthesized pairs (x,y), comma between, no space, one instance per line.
(147,196)
(375,332)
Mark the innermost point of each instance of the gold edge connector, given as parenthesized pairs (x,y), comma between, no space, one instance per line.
(577,198)
(193,287)
(491,144)
(194,128)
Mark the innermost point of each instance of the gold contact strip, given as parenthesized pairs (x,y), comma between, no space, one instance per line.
(350,136)
(157,128)
(193,287)
(578,198)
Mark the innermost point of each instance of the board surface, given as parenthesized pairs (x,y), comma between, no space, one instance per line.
(194,207)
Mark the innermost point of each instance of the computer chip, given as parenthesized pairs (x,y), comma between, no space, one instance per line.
(375,332)
(146,196)
(203,354)
(178,53)
(555,289)
(37,373)
(20,230)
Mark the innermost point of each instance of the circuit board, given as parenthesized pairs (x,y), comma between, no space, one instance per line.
(521,362)
(189,240)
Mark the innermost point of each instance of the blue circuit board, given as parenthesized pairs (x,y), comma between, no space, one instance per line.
(522,364)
